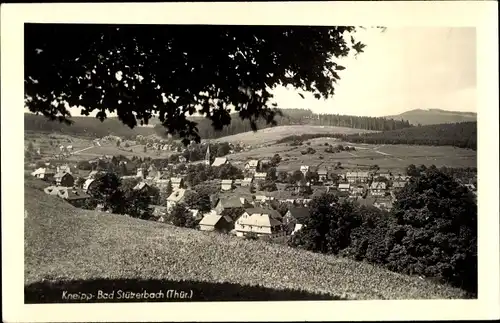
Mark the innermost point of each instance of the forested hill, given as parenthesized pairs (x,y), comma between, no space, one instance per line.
(435,116)
(298,117)
(463,135)
(92,127)
(84,126)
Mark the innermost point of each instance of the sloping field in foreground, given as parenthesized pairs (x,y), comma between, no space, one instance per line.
(270,135)
(67,249)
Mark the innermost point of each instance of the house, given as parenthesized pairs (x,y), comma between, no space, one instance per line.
(74,196)
(344,187)
(401,178)
(397,185)
(304,169)
(140,172)
(357,177)
(226,184)
(89,185)
(182,159)
(237,182)
(259,221)
(356,190)
(378,188)
(383,204)
(384,175)
(263,198)
(176,197)
(177,182)
(260,176)
(44,173)
(247,181)
(218,223)
(219,161)
(63,169)
(252,165)
(142,187)
(230,203)
(294,216)
(322,174)
(64,179)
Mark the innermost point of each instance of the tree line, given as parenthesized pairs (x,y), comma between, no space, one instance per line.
(462,135)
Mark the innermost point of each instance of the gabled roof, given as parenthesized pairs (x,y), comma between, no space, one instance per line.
(232,202)
(258,210)
(61,175)
(378,185)
(219,161)
(87,183)
(226,181)
(140,186)
(177,195)
(210,219)
(259,219)
(74,194)
(253,163)
(299,213)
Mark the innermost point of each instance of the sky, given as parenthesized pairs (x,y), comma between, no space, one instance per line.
(401,69)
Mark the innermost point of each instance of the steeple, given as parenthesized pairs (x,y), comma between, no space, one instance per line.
(207,155)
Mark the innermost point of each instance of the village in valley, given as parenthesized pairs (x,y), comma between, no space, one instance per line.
(252,198)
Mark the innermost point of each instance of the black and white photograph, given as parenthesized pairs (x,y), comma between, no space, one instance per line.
(245,160)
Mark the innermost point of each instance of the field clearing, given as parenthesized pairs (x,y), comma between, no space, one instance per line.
(270,135)
(77,250)
(387,157)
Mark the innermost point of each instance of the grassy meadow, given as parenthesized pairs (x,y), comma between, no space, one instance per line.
(387,157)
(270,135)
(77,250)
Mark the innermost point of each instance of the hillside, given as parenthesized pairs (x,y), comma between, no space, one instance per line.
(270,135)
(434,116)
(463,135)
(84,126)
(76,250)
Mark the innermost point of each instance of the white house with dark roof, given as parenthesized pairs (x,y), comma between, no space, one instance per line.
(378,188)
(397,185)
(259,221)
(252,165)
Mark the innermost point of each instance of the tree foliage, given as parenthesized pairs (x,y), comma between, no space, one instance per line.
(174,71)
(329,226)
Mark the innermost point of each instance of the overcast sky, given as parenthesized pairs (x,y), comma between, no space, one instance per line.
(401,69)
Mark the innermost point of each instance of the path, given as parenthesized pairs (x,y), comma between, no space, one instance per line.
(79,151)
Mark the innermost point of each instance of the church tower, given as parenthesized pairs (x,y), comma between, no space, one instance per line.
(207,156)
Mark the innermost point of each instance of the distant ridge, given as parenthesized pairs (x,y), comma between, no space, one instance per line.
(435,116)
